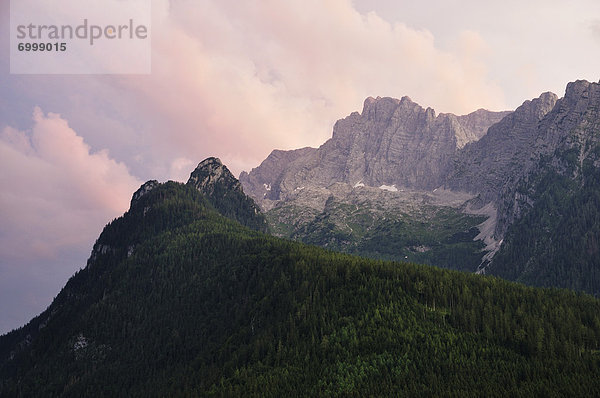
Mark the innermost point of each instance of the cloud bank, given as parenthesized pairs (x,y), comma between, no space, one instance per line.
(56,196)
(238,79)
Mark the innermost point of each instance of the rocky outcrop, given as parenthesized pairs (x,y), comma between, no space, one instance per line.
(392,142)
(214,180)
(144,189)
(485,166)
(263,182)
(210,175)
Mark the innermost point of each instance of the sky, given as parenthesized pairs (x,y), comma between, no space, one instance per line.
(237,79)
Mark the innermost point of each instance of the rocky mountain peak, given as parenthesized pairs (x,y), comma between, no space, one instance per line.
(143,190)
(580,97)
(212,172)
(383,109)
(578,88)
(210,161)
(214,180)
(379,109)
(538,107)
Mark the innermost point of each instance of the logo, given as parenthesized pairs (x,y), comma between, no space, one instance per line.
(80,36)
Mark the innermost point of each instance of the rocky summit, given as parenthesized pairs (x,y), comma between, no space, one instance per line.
(210,174)
(214,180)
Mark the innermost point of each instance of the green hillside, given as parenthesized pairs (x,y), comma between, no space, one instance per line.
(177,300)
(435,235)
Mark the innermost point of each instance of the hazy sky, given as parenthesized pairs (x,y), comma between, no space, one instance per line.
(236,79)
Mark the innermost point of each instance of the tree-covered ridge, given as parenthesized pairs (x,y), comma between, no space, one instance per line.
(185,302)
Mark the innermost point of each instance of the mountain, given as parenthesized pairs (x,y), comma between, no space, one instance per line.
(375,187)
(368,190)
(225,193)
(392,142)
(552,211)
(505,152)
(489,170)
(540,168)
(178,300)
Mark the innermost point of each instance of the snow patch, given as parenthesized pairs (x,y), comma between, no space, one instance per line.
(359,184)
(390,188)
(267,186)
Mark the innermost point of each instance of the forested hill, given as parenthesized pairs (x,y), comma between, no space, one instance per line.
(177,300)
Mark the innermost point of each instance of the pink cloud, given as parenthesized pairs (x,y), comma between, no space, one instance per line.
(238,79)
(54,163)
(56,196)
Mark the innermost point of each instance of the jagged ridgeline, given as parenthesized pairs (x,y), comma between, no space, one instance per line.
(178,300)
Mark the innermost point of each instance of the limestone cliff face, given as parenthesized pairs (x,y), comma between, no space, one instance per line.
(392,142)
(499,165)
(263,182)
(484,167)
